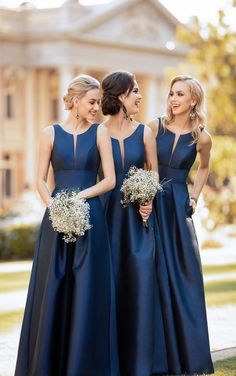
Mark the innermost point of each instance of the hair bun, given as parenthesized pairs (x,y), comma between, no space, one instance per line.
(110,104)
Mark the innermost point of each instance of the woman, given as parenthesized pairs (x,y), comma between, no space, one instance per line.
(180,136)
(132,246)
(68,326)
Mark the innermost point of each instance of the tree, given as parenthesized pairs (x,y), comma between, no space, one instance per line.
(213,52)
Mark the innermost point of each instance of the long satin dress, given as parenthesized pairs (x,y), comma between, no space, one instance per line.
(178,262)
(69,322)
(140,340)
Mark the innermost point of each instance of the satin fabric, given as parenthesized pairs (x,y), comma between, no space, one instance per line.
(178,262)
(139,322)
(69,321)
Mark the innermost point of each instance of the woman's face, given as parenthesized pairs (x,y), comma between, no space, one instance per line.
(88,105)
(180,99)
(132,100)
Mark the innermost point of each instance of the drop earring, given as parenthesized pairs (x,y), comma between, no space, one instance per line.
(126,116)
(192,114)
(77,116)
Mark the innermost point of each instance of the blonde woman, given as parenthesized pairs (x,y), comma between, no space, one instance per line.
(68,326)
(180,137)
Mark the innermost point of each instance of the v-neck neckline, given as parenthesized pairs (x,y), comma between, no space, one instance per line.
(176,142)
(121,144)
(75,139)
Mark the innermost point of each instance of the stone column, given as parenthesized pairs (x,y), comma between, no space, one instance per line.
(43,105)
(2,112)
(30,141)
(66,74)
(153,99)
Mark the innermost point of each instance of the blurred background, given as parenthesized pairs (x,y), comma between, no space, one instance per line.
(43,45)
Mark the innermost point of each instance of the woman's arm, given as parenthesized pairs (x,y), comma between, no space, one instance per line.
(109,180)
(150,150)
(154,125)
(204,149)
(51,179)
(45,149)
(151,163)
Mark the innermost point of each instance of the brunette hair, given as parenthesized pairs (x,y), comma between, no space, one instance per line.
(113,85)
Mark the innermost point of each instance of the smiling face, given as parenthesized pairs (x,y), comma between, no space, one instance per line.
(88,105)
(132,100)
(180,99)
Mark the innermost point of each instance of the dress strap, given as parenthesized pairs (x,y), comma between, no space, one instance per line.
(160,124)
(201,128)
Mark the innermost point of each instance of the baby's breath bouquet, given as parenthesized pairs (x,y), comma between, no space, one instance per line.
(140,187)
(69,214)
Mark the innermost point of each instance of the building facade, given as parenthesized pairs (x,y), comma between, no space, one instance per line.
(42,50)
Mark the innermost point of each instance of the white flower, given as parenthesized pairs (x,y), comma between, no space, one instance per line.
(140,187)
(69,215)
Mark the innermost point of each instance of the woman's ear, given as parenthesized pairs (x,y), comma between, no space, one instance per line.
(75,101)
(121,97)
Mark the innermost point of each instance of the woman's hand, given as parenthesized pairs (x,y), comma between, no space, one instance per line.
(145,210)
(193,203)
(81,195)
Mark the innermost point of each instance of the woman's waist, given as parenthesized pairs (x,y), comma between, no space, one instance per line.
(74,179)
(172,175)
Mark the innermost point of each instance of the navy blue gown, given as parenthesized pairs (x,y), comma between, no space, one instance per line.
(140,343)
(178,263)
(69,322)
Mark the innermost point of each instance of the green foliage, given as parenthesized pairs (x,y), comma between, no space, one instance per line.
(213,53)
(18,242)
(225,367)
(220,194)
(220,191)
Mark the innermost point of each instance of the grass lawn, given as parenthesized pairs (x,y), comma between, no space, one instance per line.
(225,367)
(10,319)
(219,269)
(14,281)
(219,293)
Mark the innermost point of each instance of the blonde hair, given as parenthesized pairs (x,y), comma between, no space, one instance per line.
(198,95)
(78,87)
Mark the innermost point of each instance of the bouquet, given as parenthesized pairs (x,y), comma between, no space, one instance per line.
(69,214)
(140,187)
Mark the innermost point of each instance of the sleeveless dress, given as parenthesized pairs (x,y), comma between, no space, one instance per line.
(178,263)
(133,256)
(69,322)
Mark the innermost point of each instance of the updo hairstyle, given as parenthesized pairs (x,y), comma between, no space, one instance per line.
(78,87)
(113,85)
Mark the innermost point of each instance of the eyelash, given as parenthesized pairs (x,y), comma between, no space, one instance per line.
(180,94)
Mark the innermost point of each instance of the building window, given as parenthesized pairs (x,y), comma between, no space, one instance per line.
(54,109)
(8,183)
(9,106)
(7,177)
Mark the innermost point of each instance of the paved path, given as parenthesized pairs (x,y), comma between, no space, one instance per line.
(223,354)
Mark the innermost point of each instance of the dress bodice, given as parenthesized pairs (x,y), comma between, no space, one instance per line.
(75,164)
(134,154)
(175,163)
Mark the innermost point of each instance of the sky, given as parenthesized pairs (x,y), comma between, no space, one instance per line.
(206,10)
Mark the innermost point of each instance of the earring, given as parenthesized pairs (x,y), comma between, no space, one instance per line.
(77,116)
(126,116)
(192,114)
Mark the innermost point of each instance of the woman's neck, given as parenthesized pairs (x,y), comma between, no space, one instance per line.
(182,122)
(119,123)
(75,124)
